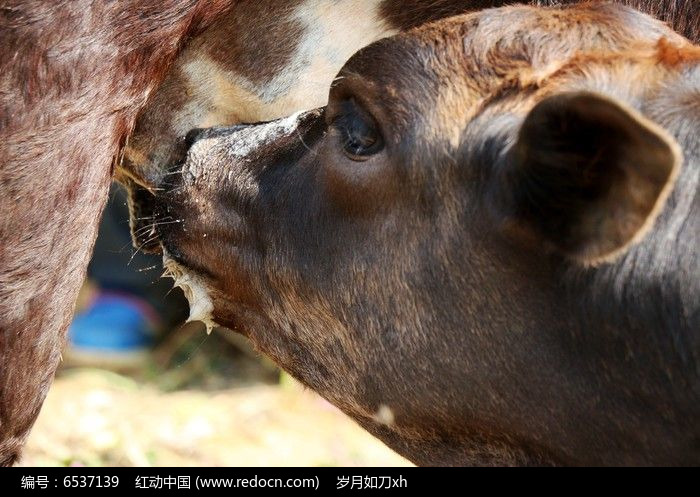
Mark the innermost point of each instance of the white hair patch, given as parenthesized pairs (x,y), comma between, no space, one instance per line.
(384,415)
(262,134)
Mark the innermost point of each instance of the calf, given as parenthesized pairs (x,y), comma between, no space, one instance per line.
(484,249)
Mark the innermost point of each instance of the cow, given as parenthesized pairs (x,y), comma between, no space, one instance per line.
(91,91)
(73,77)
(484,249)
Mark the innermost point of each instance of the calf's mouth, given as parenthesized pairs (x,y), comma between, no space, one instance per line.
(205,215)
(141,203)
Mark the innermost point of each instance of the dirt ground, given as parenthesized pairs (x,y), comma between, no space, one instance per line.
(210,406)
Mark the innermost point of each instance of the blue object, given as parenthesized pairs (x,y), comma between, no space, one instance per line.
(115,327)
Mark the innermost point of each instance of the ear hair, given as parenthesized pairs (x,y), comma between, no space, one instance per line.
(587,175)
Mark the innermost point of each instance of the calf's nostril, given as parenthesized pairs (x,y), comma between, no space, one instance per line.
(192,136)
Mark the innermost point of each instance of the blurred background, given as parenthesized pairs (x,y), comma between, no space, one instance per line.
(138,388)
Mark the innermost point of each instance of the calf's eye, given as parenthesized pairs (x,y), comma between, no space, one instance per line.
(358,132)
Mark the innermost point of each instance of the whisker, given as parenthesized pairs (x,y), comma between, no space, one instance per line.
(147,268)
(150,226)
(301,139)
(153,238)
(173,173)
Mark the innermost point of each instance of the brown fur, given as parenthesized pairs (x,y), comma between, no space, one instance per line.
(673,55)
(73,76)
(682,15)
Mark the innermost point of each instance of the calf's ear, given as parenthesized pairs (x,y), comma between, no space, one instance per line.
(587,175)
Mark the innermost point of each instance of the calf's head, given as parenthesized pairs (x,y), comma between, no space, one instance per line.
(479,249)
